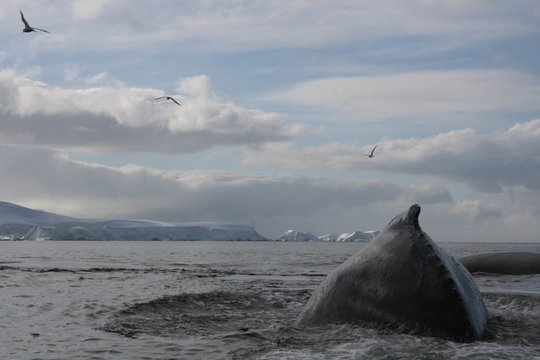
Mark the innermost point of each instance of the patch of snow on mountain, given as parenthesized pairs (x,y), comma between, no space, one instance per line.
(358,236)
(297,236)
(328,237)
(15,214)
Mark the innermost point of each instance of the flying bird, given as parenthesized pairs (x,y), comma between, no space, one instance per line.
(28,28)
(371,154)
(168,98)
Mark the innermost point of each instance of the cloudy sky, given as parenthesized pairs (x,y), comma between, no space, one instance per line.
(280,102)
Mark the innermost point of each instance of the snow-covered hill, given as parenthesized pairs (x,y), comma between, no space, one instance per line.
(20,223)
(329,237)
(297,236)
(15,214)
(357,236)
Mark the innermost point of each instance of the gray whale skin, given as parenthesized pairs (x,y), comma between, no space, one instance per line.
(403,280)
(508,263)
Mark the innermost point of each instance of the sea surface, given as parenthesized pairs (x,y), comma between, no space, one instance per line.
(221,300)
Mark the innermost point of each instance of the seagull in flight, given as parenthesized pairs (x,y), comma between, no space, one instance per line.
(168,98)
(28,28)
(371,154)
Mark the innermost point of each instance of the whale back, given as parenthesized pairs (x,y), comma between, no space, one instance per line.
(402,278)
(512,263)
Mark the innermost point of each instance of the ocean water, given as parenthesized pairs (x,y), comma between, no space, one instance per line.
(221,300)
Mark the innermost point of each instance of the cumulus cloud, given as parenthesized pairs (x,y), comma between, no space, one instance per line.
(49,180)
(85,10)
(118,118)
(475,210)
(98,78)
(418,94)
(492,219)
(198,86)
(487,162)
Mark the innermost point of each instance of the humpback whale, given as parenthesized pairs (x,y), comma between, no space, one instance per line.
(404,280)
(508,263)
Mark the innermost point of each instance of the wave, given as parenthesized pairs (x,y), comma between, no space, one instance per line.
(70,270)
(264,319)
(219,312)
(514,318)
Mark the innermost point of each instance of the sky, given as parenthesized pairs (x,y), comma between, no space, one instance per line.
(281,100)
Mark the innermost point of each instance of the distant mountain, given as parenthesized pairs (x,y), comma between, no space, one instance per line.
(357,236)
(297,236)
(329,237)
(15,214)
(20,223)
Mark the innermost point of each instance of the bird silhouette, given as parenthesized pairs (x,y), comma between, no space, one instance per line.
(371,154)
(28,28)
(168,98)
